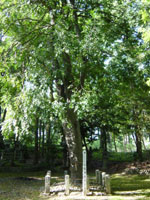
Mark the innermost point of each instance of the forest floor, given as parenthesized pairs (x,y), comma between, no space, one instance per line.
(29,186)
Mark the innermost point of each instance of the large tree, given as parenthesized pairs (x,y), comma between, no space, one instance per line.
(67,42)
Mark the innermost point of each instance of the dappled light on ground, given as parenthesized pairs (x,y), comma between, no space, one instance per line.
(132,185)
(28,187)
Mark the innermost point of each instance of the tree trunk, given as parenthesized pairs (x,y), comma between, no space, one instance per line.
(39,143)
(1,121)
(138,135)
(48,131)
(104,148)
(36,152)
(115,145)
(125,143)
(65,151)
(73,139)
(43,140)
(138,144)
(143,142)
(13,150)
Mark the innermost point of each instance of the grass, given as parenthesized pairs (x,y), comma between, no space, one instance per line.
(17,186)
(22,186)
(14,188)
(131,185)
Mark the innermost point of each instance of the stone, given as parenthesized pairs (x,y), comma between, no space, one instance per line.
(98,193)
(103,178)
(88,183)
(65,173)
(100,178)
(107,184)
(49,173)
(61,194)
(89,194)
(97,175)
(67,185)
(47,183)
(84,174)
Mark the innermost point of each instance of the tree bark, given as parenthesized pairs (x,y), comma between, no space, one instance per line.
(138,138)
(114,138)
(73,139)
(40,134)
(137,132)
(104,148)
(48,131)
(65,151)
(2,118)
(125,143)
(36,152)
(43,140)
(71,124)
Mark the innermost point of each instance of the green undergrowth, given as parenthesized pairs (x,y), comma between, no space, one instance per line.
(22,174)
(120,157)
